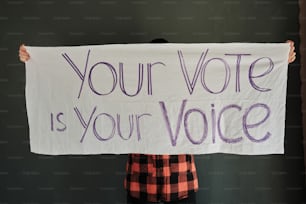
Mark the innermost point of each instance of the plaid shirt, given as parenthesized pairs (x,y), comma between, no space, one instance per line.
(156,178)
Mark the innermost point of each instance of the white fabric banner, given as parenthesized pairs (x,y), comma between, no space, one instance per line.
(157,98)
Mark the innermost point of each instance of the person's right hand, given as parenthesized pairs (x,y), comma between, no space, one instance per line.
(23,54)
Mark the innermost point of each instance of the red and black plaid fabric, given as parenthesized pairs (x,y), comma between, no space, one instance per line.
(157,178)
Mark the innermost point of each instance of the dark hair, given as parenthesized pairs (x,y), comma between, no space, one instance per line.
(159,40)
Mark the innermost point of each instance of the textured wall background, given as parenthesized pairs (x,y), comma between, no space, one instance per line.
(30,178)
(302,18)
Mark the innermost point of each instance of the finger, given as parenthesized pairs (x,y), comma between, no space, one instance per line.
(291,59)
(292,49)
(291,43)
(22,59)
(22,52)
(24,55)
(22,47)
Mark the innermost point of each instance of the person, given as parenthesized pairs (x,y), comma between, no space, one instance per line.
(166,178)
(169,179)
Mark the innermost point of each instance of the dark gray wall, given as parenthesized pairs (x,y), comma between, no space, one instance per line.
(31,178)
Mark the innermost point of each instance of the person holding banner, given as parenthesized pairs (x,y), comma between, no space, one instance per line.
(156,178)
(160,178)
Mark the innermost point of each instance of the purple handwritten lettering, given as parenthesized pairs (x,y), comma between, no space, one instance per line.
(138,124)
(52,122)
(205,124)
(149,73)
(140,79)
(113,72)
(191,85)
(173,137)
(227,75)
(77,70)
(58,120)
(224,138)
(98,136)
(83,122)
(131,121)
(238,69)
(247,126)
(213,122)
(251,76)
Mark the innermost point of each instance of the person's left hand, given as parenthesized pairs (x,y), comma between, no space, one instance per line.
(292,54)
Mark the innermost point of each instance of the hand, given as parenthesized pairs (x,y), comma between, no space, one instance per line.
(292,54)
(23,54)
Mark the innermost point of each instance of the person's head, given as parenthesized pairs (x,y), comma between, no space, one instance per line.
(159,40)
